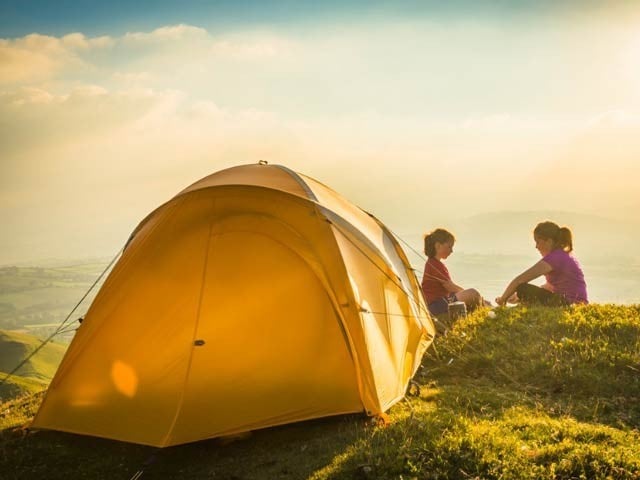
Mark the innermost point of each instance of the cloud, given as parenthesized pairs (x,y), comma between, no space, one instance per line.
(97,161)
(591,167)
(195,40)
(37,58)
(132,79)
(79,42)
(124,151)
(25,95)
(614,119)
(499,120)
(172,33)
(253,46)
(245,46)
(33,119)
(176,53)
(125,122)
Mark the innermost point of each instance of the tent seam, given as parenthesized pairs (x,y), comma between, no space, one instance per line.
(193,338)
(114,274)
(301,182)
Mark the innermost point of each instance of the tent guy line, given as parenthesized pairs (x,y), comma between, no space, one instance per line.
(58,330)
(399,285)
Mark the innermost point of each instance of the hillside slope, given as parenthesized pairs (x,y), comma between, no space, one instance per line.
(36,373)
(531,393)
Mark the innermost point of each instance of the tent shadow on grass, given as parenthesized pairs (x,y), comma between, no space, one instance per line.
(290,451)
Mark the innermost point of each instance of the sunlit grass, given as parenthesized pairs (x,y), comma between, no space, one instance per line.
(534,393)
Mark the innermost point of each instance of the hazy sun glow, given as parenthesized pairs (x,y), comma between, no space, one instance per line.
(426,116)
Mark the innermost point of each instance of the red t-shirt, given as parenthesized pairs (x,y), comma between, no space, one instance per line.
(435,273)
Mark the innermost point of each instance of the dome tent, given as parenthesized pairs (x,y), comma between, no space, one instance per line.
(255,297)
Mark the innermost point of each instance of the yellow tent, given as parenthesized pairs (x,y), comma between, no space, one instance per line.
(255,297)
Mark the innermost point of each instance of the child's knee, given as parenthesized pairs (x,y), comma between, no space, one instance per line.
(475,295)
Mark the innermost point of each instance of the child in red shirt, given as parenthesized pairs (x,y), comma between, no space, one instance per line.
(437,286)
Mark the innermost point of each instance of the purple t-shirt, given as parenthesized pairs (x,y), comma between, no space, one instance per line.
(566,276)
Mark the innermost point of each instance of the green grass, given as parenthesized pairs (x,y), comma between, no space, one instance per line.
(16,386)
(534,393)
(36,373)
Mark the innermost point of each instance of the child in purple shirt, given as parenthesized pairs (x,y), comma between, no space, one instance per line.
(565,280)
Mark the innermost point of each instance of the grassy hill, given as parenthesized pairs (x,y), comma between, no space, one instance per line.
(36,373)
(531,393)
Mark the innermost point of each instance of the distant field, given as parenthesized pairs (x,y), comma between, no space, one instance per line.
(37,299)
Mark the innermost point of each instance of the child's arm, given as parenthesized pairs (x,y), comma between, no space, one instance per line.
(451,287)
(442,278)
(547,286)
(539,269)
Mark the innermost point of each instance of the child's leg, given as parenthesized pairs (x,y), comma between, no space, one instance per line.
(528,293)
(439,306)
(471,297)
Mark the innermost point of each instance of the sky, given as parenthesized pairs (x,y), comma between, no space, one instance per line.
(424,113)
